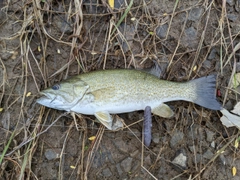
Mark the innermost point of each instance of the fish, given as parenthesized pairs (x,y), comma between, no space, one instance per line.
(105,92)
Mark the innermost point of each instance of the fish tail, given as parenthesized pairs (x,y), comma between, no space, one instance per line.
(206,92)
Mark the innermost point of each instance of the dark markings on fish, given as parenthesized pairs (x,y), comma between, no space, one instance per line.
(147,126)
(56,87)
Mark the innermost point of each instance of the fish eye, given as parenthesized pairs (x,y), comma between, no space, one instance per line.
(56,87)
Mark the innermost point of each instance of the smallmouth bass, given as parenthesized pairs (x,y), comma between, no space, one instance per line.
(106,92)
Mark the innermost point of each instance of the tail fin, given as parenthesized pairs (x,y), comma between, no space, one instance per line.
(206,92)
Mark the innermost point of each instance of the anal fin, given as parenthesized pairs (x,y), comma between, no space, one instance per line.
(105,118)
(163,110)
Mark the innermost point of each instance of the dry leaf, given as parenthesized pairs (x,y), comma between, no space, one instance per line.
(28,94)
(194,68)
(92,138)
(234,171)
(236,80)
(236,143)
(111,3)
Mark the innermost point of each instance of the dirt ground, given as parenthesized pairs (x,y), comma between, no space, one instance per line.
(44,42)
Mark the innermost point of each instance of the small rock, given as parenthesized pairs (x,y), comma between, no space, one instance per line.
(198,158)
(126,164)
(135,153)
(210,135)
(235,28)
(213,144)
(119,4)
(121,145)
(238,67)
(195,14)
(5,55)
(63,24)
(119,170)
(161,31)
(191,32)
(232,17)
(189,38)
(147,160)
(230,2)
(128,31)
(3,16)
(51,154)
(156,138)
(191,148)
(135,132)
(176,139)
(212,54)
(229,105)
(208,154)
(181,160)
(106,172)
(207,64)
(223,159)
(117,123)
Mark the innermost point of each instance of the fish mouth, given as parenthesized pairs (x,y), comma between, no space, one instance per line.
(44,97)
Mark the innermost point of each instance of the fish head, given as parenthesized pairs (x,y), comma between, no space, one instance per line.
(64,95)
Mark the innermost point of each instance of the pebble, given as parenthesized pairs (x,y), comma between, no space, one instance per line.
(223,159)
(135,153)
(106,172)
(51,154)
(238,67)
(176,139)
(235,28)
(121,145)
(119,170)
(119,4)
(212,54)
(190,38)
(156,138)
(181,159)
(208,154)
(210,135)
(229,105)
(126,164)
(135,132)
(207,64)
(147,160)
(232,17)
(195,14)
(191,148)
(161,31)
(63,24)
(3,16)
(213,144)
(230,2)
(191,33)
(128,31)
(5,55)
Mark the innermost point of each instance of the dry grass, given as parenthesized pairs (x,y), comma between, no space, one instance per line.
(94,44)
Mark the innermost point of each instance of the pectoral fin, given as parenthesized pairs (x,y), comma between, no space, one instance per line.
(163,110)
(105,118)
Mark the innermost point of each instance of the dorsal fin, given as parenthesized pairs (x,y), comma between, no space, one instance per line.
(154,70)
